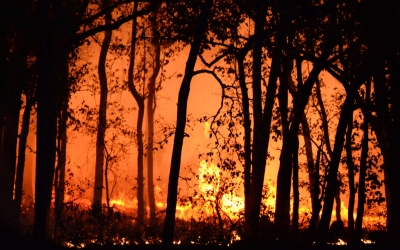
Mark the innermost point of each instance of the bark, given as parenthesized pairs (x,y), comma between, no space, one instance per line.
(199,35)
(150,124)
(139,136)
(247,135)
(21,155)
(363,172)
(101,126)
(350,166)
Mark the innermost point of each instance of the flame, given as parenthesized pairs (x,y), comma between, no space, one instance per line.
(206,129)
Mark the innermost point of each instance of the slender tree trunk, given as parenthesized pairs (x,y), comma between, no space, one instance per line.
(199,34)
(296,195)
(150,123)
(7,163)
(247,135)
(2,123)
(106,180)
(388,135)
(262,124)
(316,205)
(101,126)
(350,166)
(62,158)
(21,155)
(363,172)
(282,214)
(139,127)
(324,119)
(257,179)
(283,219)
(331,188)
(310,157)
(140,101)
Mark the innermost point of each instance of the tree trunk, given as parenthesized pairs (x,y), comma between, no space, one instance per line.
(46,127)
(21,156)
(363,171)
(101,126)
(300,100)
(199,34)
(331,188)
(388,136)
(262,124)
(139,137)
(310,157)
(62,157)
(49,59)
(296,195)
(316,205)
(150,123)
(324,119)
(247,135)
(8,161)
(350,166)
(139,127)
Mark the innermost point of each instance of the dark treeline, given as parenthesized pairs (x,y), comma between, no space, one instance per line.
(268,58)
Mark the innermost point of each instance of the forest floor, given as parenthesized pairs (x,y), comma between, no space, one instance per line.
(13,245)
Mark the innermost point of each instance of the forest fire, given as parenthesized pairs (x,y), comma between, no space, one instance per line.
(199,122)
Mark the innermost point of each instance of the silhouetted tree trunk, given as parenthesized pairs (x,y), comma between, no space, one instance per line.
(139,135)
(300,100)
(331,188)
(247,134)
(352,190)
(261,120)
(310,157)
(150,123)
(199,35)
(324,119)
(47,102)
(316,205)
(62,157)
(8,158)
(363,171)
(21,155)
(388,136)
(296,195)
(101,126)
(283,218)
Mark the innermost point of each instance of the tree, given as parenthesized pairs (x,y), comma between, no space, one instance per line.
(199,35)
(101,128)
(151,101)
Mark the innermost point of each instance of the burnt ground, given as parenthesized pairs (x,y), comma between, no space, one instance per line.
(15,245)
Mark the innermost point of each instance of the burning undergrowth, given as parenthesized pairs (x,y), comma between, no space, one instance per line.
(210,211)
